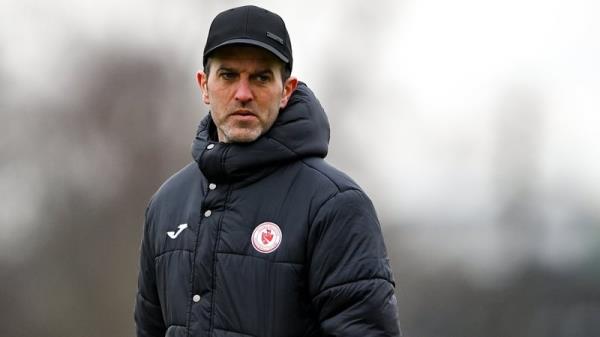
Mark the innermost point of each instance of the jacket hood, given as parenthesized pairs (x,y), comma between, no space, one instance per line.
(301,130)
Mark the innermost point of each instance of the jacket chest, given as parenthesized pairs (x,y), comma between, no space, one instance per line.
(239,221)
(238,246)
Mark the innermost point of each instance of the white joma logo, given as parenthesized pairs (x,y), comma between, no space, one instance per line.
(173,235)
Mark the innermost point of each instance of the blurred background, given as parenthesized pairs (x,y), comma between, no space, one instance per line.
(471,124)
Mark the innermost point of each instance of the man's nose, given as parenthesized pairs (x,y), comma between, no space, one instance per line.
(243,92)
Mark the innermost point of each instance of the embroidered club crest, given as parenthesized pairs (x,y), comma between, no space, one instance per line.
(266,237)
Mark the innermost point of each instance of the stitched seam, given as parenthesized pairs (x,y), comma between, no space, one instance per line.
(173,250)
(328,177)
(349,282)
(258,258)
(327,201)
(317,213)
(246,28)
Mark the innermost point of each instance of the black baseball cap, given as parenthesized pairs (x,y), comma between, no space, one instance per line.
(250,25)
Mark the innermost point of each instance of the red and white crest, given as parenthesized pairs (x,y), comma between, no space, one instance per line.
(266,237)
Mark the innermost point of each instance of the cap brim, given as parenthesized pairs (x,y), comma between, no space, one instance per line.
(250,42)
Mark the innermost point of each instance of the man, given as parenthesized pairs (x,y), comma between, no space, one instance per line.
(259,236)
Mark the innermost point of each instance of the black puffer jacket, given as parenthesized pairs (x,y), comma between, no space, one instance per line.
(264,239)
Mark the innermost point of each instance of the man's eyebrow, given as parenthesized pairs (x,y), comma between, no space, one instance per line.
(268,71)
(223,68)
(265,71)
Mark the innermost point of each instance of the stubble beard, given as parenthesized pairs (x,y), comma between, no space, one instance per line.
(239,134)
(234,131)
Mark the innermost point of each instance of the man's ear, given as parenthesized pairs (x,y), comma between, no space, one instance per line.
(202,82)
(288,88)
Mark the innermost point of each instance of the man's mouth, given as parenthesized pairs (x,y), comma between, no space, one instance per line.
(243,113)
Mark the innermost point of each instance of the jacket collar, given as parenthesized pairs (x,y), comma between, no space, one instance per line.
(301,130)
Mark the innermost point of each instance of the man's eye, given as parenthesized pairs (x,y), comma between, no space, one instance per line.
(228,76)
(263,78)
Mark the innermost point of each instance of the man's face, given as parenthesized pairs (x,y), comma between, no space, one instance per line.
(244,90)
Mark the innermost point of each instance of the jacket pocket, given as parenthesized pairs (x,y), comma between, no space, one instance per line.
(173,271)
(175,331)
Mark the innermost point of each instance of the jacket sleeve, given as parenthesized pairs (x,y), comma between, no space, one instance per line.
(350,279)
(148,315)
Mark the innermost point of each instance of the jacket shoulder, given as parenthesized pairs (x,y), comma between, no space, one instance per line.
(178,183)
(177,187)
(331,176)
